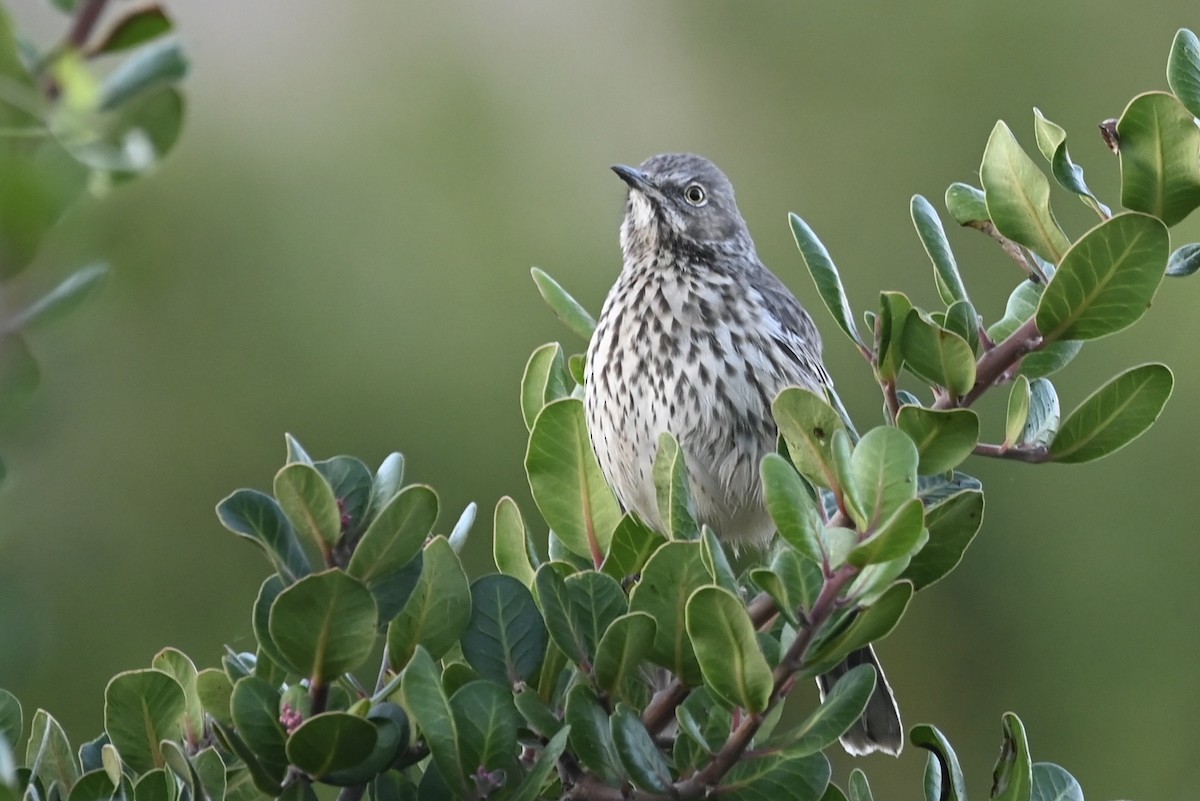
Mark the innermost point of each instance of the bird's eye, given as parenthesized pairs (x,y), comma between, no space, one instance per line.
(694,194)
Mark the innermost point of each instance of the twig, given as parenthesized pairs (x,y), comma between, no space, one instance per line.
(1014,251)
(84,23)
(1017,453)
(995,362)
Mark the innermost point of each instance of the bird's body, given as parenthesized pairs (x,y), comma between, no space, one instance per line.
(696,338)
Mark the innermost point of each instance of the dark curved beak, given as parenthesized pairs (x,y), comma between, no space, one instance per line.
(632,176)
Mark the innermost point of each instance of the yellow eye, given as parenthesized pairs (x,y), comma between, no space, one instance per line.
(695,195)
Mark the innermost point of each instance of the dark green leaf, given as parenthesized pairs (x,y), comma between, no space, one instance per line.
(157,64)
(1160,144)
(1114,415)
(350,480)
(807,424)
(1012,779)
(621,650)
(1052,141)
(565,308)
(94,785)
(632,544)
(791,506)
(426,701)
(135,28)
(210,770)
(309,503)
(50,752)
(329,742)
(873,623)
(141,709)
(509,535)
(178,666)
(1183,70)
(944,438)
(939,356)
(566,481)
(1106,281)
(591,735)
(966,204)
(772,778)
(893,312)
(545,380)
(486,722)
(952,524)
(261,619)
(11,718)
(669,578)
(154,785)
(505,638)
(215,690)
(1052,783)
(1184,261)
(536,712)
(929,738)
(63,299)
(825,276)
(439,609)
(645,765)
(1018,196)
(257,517)
(531,787)
(838,711)
(722,635)
(962,319)
(396,535)
(255,711)
(672,491)
(324,624)
(933,237)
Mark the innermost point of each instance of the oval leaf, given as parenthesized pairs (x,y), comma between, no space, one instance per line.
(396,535)
(329,742)
(545,380)
(672,492)
(807,424)
(734,667)
(141,709)
(966,204)
(944,438)
(308,501)
(486,721)
(510,536)
(669,578)
(1160,148)
(324,624)
(939,356)
(1183,70)
(1018,196)
(645,765)
(257,517)
(825,276)
(1114,415)
(505,638)
(1184,261)
(952,524)
(622,648)
(438,610)
(883,472)
(426,701)
(791,506)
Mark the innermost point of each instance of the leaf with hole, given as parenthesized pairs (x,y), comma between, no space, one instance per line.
(807,424)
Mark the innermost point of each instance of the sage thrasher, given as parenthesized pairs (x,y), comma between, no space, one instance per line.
(696,338)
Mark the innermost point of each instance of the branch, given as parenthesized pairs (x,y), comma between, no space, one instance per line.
(993,364)
(84,23)
(1031,269)
(1017,453)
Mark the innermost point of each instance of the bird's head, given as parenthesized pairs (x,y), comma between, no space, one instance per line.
(680,197)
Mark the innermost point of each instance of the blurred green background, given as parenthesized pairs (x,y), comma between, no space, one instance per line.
(340,245)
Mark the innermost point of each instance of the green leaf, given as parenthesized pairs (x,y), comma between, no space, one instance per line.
(791,506)
(1018,196)
(623,646)
(770,778)
(428,705)
(962,319)
(94,785)
(1022,304)
(883,471)
(1114,415)
(944,438)
(329,742)
(733,665)
(505,638)
(937,355)
(135,28)
(859,789)
(254,708)
(531,787)
(933,237)
(566,481)
(565,308)
(178,666)
(1160,146)
(141,709)
(578,609)
(1042,423)
(12,719)
(157,64)
(1106,281)
(49,752)
(351,482)
(893,312)
(396,535)
(873,623)
(439,609)
(966,204)
(309,503)
(834,793)
(545,380)
(952,524)
(19,376)
(1018,411)
(1183,70)
(897,537)
(1184,261)
(257,517)
(1052,783)
(210,770)
(591,735)
(632,544)
(837,713)
(154,785)
(645,765)
(712,553)
(671,490)
(324,624)
(486,722)
(825,276)
(215,690)
(61,301)
(1052,141)
(807,424)
(669,578)
(1012,779)
(932,740)
(509,537)
(261,619)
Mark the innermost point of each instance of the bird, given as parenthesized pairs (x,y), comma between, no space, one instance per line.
(696,338)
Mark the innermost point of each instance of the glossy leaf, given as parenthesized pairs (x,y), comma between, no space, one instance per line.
(644,764)
(951,779)
(1160,145)
(967,204)
(1114,415)
(632,544)
(49,751)
(962,319)
(545,380)
(796,778)
(933,237)
(1018,196)
(157,64)
(944,438)
(509,538)
(254,708)
(257,517)
(807,424)
(351,483)
(791,506)
(871,624)
(1018,411)
(439,609)
(565,308)
(396,535)
(1106,281)
(896,537)
(566,481)
(838,711)
(1052,783)
(324,624)
(309,503)
(825,276)
(937,355)
(669,578)
(952,524)
(1183,70)
(426,702)
(1012,779)
(591,735)
(893,312)
(141,709)
(672,492)
(623,646)
(1184,261)
(505,638)
(1052,141)
(486,722)
(883,473)
(180,667)
(79,287)
(329,742)
(732,663)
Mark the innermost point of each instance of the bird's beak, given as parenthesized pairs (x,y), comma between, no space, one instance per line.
(634,177)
